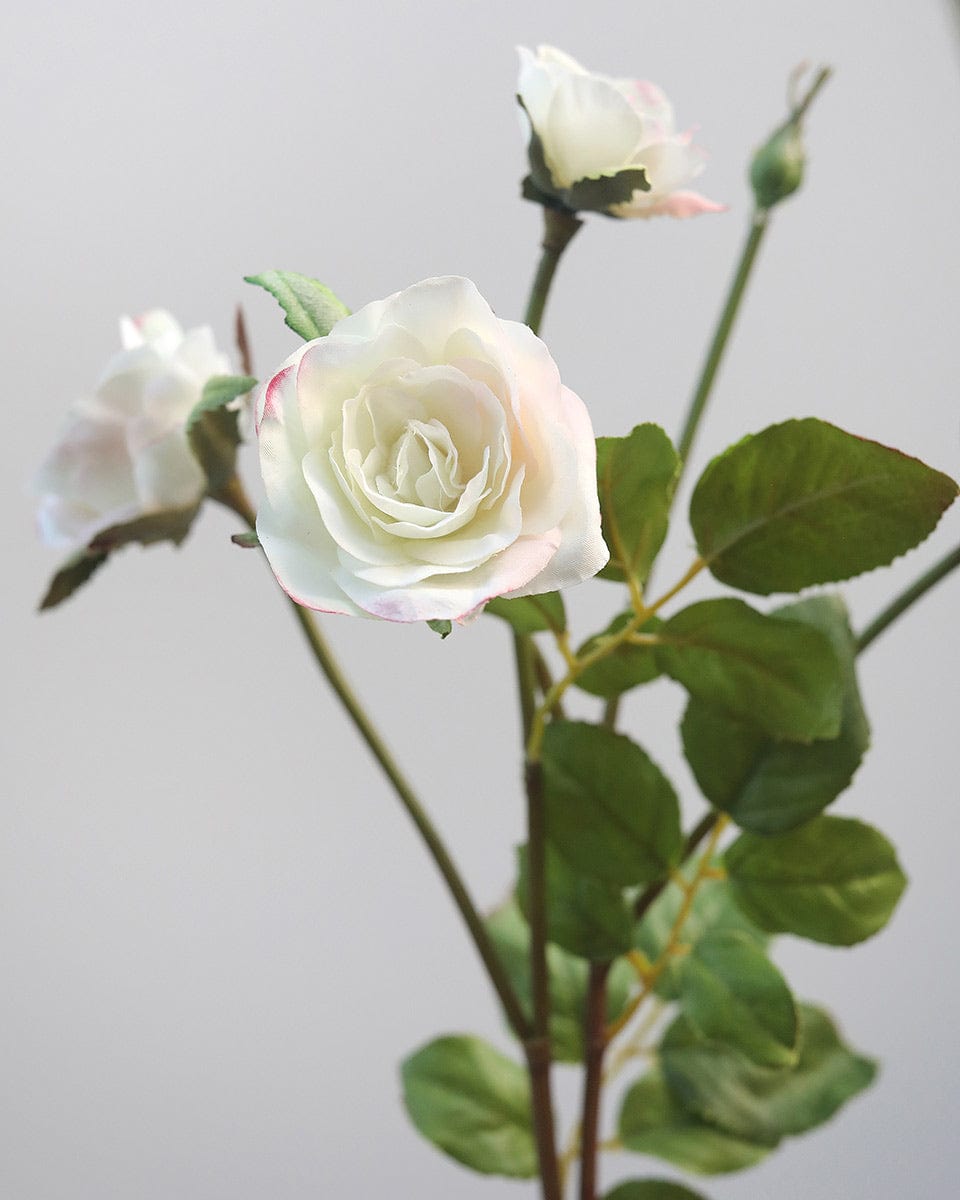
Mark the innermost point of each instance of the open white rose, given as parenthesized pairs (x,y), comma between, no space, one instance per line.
(423,458)
(590,129)
(124,451)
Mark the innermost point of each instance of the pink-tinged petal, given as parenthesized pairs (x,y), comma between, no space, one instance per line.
(269,402)
(677,204)
(155,328)
(690,204)
(451,597)
(581,550)
(302,556)
(124,451)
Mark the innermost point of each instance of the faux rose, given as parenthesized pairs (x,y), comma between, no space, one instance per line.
(124,452)
(605,145)
(423,458)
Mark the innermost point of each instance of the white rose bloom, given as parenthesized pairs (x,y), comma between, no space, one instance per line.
(423,458)
(124,450)
(593,127)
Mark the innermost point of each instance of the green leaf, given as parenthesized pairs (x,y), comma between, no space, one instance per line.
(651,1189)
(531,614)
(623,668)
(168,525)
(474,1104)
(761,1104)
(653,1121)
(74,572)
(833,880)
(732,993)
(218,392)
(804,503)
(636,478)
(767,786)
(588,918)
(311,309)
(781,675)
(444,628)
(568,975)
(610,810)
(713,911)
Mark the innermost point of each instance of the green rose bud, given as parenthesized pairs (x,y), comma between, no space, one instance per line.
(777,167)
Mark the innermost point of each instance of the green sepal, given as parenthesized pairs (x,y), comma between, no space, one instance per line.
(653,1121)
(568,977)
(472,1103)
(585,916)
(218,392)
(714,910)
(804,503)
(531,614)
(602,192)
(768,786)
(732,993)
(311,308)
(213,429)
(584,195)
(610,810)
(833,880)
(627,666)
(652,1189)
(248,540)
(71,575)
(444,628)
(636,478)
(763,1104)
(782,675)
(168,525)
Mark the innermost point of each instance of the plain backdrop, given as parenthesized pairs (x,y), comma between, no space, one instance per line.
(218,933)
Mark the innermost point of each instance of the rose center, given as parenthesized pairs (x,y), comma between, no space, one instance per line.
(423,467)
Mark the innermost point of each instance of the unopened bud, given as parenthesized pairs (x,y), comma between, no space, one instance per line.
(777,167)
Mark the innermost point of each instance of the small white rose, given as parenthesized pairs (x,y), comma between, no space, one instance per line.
(423,458)
(124,451)
(594,128)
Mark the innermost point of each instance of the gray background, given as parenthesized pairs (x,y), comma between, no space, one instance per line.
(218,934)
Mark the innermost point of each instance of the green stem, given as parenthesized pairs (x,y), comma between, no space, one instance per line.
(758,226)
(901,603)
(558,230)
(234,498)
(526,656)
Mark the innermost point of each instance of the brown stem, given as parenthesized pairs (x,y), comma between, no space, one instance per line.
(537,1051)
(595,1043)
(538,1047)
(243,343)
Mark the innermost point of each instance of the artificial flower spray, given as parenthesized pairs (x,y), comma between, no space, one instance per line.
(422,462)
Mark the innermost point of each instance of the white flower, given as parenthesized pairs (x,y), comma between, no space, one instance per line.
(593,128)
(423,458)
(124,451)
